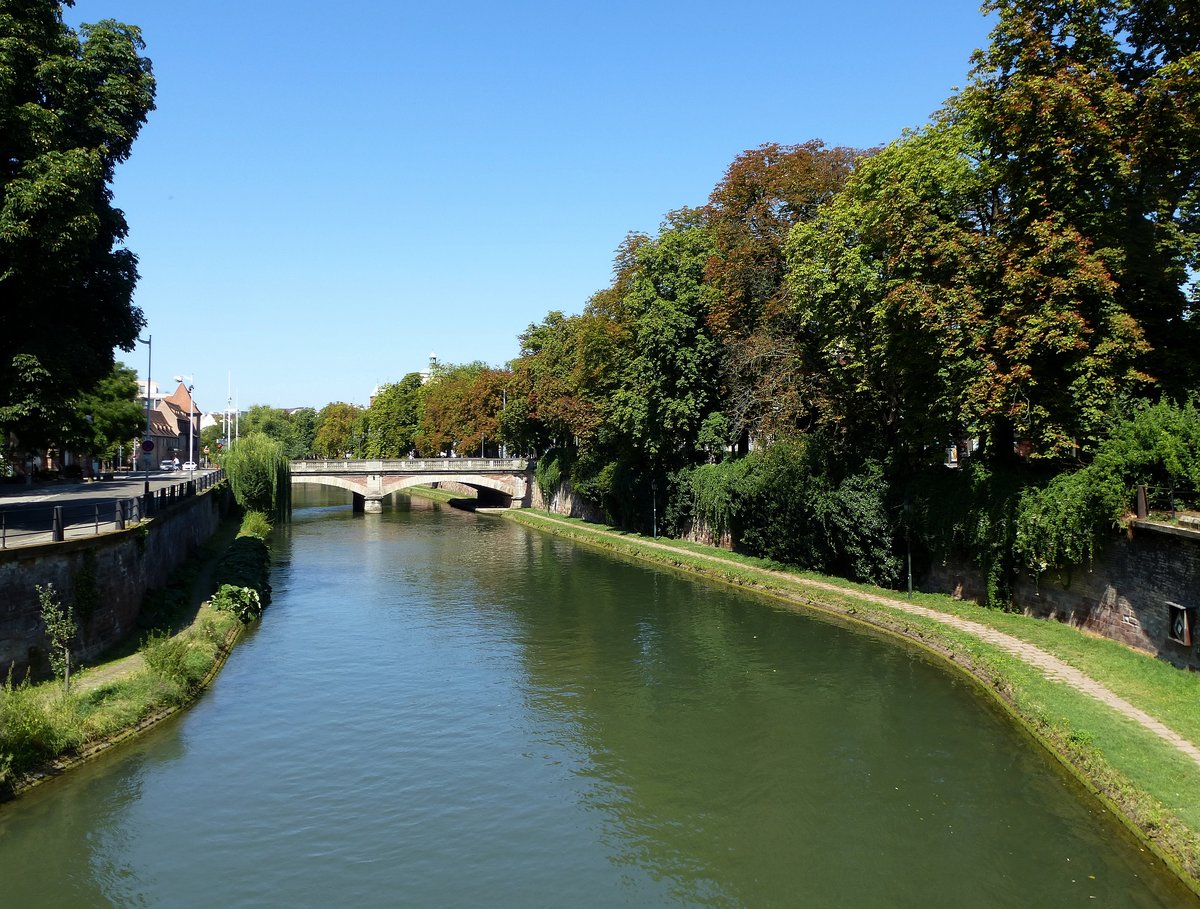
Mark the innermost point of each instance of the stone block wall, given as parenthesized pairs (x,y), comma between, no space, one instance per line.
(1124,594)
(566,501)
(105,577)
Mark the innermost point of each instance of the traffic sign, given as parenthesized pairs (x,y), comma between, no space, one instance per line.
(148,445)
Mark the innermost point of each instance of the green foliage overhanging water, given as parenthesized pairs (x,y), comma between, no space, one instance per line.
(259,475)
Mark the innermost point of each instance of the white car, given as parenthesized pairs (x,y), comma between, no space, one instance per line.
(188,465)
(167,465)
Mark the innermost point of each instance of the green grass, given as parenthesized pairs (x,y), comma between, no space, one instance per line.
(1150,783)
(40,722)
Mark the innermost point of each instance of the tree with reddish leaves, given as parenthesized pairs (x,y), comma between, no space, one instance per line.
(1088,114)
(764,192)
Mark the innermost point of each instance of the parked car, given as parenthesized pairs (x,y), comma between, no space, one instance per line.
(188,465)
(167,465)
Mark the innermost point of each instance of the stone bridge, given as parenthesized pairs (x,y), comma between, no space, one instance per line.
(501,482)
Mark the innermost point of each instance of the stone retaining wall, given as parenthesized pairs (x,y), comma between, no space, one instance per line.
(105,577)
(1125,594)
(567,502)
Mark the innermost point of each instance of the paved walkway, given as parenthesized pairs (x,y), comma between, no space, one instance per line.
(1051,666)
(201,589)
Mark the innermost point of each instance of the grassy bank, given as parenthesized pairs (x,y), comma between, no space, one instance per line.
(44,729)
(1148,783)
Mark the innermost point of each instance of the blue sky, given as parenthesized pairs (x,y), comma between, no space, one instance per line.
(328,193)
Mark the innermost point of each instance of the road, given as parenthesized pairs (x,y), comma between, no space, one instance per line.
(27,512)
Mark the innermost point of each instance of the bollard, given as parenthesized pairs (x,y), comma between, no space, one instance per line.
(56,531)
(119,514)
(96,517)
(3,530)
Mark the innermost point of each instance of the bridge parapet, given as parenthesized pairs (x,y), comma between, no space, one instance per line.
(371,480)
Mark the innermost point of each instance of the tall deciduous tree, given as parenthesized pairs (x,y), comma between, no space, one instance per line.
(1089,115)
(335,428)
(461,408)
(71,105)
(767,387)
(934,314)
(764,192)
(388,428)
(292,430)
(669,385)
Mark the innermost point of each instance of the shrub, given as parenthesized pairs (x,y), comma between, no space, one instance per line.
(255,524)
(788,504)
(243,602)
(246,563)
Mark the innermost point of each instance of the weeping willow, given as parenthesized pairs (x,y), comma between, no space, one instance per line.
(259,475)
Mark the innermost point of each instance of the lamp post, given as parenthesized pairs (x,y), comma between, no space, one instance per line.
(149,342)
(191,414)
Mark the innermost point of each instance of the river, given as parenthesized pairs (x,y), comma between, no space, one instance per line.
(443,709)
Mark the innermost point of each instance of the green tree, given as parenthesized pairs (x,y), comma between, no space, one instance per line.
(389,426)
(71,105)
(304,432)
(61,629)
(1088,114)
(334,428)
(109,415)
(294,430)
(886,282)
(938,310)
(258,473)
(670,383)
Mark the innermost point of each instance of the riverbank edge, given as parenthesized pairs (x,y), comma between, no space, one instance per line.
(67,761)
(1174,843)
(64,763)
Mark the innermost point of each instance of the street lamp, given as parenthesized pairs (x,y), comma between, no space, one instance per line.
(191,412)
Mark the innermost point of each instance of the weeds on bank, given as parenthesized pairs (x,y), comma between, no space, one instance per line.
(40,722)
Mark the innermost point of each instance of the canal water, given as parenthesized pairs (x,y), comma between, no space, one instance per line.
(443,709)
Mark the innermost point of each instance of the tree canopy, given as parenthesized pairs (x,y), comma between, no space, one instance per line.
(71,105)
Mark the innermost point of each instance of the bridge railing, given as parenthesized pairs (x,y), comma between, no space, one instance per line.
(411,465)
